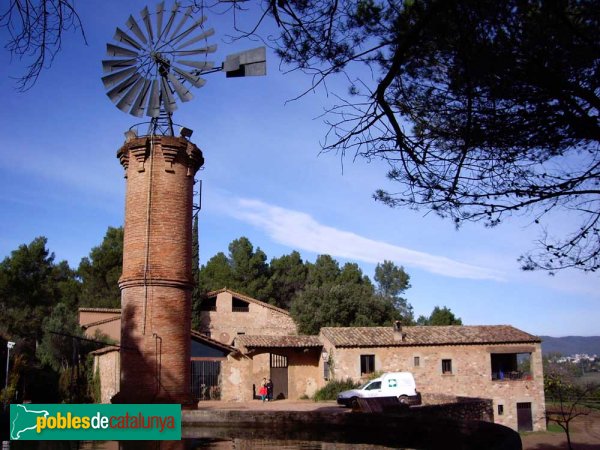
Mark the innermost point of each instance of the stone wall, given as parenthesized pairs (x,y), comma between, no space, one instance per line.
(236,382)
(224,324)
(107,364)
(471,374)
(457,408)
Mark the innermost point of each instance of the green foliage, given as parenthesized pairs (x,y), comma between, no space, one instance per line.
(440,316)
(339,297)
(100,272)
(93,380)
(392,282)
(8,393)
(566,399)
(331,390)
(316,294)
(249,267)
(38,310)
(288,277)
(244,270)
(73,385)
(30,286)
(480,109)
(56,350)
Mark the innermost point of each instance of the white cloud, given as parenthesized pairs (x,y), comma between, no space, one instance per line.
(299,230)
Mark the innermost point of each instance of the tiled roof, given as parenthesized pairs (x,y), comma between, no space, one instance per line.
(277,341)
(100,322)
(426,335)
(248,299)
(103,350)
(101,310)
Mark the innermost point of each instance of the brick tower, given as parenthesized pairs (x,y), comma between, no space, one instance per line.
(157,279)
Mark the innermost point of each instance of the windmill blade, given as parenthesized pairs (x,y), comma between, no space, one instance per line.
(146,18)
(183,34)
(121,36)
(186,15)
(135,29)
(169,24)
(115,93)
(153,109)
(183,93)
(198,38)
(202,65)
(193,79)
(138,106)
(127,100)
(110,65)
(115,50)
(167,96)
(110,80)
(198,51)
(160,9)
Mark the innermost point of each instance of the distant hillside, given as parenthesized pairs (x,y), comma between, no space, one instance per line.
(570,345)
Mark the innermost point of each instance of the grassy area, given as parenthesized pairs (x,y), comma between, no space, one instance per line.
(554,428)
(589,377)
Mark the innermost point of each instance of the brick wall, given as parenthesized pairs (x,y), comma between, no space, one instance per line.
(156,281)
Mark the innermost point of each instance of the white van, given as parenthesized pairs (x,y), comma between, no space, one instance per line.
(390,384)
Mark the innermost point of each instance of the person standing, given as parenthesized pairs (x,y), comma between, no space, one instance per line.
(269,390)
(263,390)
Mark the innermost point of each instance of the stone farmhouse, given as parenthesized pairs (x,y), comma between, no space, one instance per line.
(242,340)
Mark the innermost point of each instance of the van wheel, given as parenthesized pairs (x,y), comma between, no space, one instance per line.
(403,399)
(353,403)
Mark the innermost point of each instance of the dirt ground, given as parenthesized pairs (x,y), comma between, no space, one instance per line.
(585,435)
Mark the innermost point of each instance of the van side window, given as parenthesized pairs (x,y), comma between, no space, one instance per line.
(374,385)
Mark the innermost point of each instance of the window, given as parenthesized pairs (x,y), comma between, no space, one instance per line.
(416,361)
(511,366)
(367,364)
(209,304)
(374,385)
(241,333)
(238,305)
(500,410)
(446,366)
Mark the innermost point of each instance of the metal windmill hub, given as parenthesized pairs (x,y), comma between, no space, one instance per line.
(150,66)
(153,65)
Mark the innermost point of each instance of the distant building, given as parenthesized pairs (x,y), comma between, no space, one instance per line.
(243,340)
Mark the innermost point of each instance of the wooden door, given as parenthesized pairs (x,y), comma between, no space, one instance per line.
(524,417)
(279,376)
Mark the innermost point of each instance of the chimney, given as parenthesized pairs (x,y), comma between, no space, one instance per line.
(398,335)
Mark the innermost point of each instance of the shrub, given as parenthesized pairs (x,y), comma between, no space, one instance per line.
(331,390)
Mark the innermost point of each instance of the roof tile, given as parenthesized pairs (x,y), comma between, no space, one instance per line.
(426,335)
(278,341)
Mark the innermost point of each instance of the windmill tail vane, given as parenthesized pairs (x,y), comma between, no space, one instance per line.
(152,65)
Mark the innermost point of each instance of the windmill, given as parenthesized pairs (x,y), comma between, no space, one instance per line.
(155,61)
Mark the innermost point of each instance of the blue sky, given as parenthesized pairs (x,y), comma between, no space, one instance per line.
(264,178)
